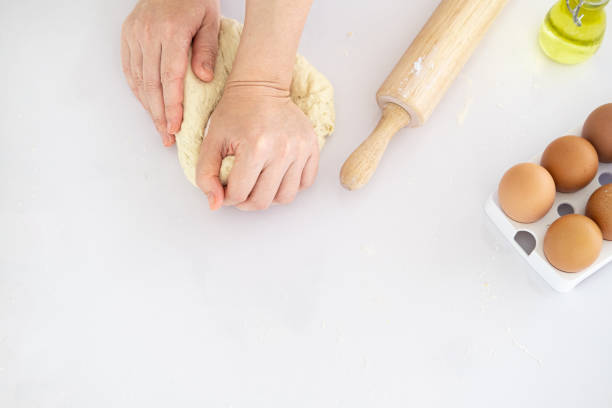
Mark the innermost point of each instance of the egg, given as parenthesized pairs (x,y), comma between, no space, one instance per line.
(598,130)
(571,161)
(572,243)
(599,209)
(526,192)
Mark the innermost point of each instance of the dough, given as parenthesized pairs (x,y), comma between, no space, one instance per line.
(310,91)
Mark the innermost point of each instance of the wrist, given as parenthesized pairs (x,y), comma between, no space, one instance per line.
(269,41)
(255,88)
(260,61)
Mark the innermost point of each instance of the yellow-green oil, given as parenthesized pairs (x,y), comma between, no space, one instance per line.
(567,41)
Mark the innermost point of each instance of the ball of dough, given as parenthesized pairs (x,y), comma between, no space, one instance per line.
(571,161)
(526,192)
(599,209)
(310,91)
(598,129)
(572,243)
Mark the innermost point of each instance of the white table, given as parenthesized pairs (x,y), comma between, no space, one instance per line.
(118,288)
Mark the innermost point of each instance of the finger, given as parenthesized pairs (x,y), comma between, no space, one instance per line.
(173,68)
(136,69)
(153,89)
(125,65)
(290,185)
(265,189)
(242,178)
(310,170)
(207,173)
(205,47)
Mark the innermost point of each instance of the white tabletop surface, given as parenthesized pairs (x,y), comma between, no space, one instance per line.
(118,288)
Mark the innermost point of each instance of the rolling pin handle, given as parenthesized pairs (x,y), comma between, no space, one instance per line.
(362,163)
(421,77)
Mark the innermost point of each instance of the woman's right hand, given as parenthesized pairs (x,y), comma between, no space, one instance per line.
(274,144)
(155,41)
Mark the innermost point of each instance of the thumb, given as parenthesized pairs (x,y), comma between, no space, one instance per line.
(207,173)
(205,47)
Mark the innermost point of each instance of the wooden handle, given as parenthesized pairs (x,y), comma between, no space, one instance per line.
(437,55)
(361,165)
(424,73)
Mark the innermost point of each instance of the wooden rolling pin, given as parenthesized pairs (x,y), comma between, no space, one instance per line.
(419,80)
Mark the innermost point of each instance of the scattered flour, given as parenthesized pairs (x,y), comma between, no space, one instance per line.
(468,104)
(466,109)
(417,66)
(522,347)
(364,362)
(368,250)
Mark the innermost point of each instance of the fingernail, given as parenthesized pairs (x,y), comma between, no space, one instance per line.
(211,200)
(208,71)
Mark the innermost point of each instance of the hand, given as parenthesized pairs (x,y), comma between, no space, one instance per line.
(155,40)
(275,148)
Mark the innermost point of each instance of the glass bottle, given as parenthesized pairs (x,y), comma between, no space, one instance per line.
(573,30)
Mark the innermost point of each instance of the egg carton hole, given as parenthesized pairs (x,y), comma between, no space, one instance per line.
(565,209)
(605,178)
(526,241)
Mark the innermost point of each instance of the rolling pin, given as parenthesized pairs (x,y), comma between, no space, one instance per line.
(421,77)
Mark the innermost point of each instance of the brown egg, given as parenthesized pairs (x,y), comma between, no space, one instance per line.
(598,129)
(526,192)
(599,209)
(572,243)
(571,161)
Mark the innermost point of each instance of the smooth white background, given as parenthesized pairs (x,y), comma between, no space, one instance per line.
(118,288)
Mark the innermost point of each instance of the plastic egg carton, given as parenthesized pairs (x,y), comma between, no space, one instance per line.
(528,239)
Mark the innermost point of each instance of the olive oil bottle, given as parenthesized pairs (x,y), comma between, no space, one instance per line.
(573,30)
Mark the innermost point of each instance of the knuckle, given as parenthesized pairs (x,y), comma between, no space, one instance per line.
(207,52)
(173,108)
(151,85)
(182,40)
(200,181)
(125,27)
(168,28)
(172,25)
(130,22)
(159,122)
(258,204)
(144,25)
(236,196)
(137,77)
(305,146)
(133,88)
(308,181)
(263,146)
(285,149)
(286,197)
(145,30)
(173,112)
(126,70)
(172,74)
(315,150)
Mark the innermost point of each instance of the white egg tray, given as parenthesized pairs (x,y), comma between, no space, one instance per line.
(528,238)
